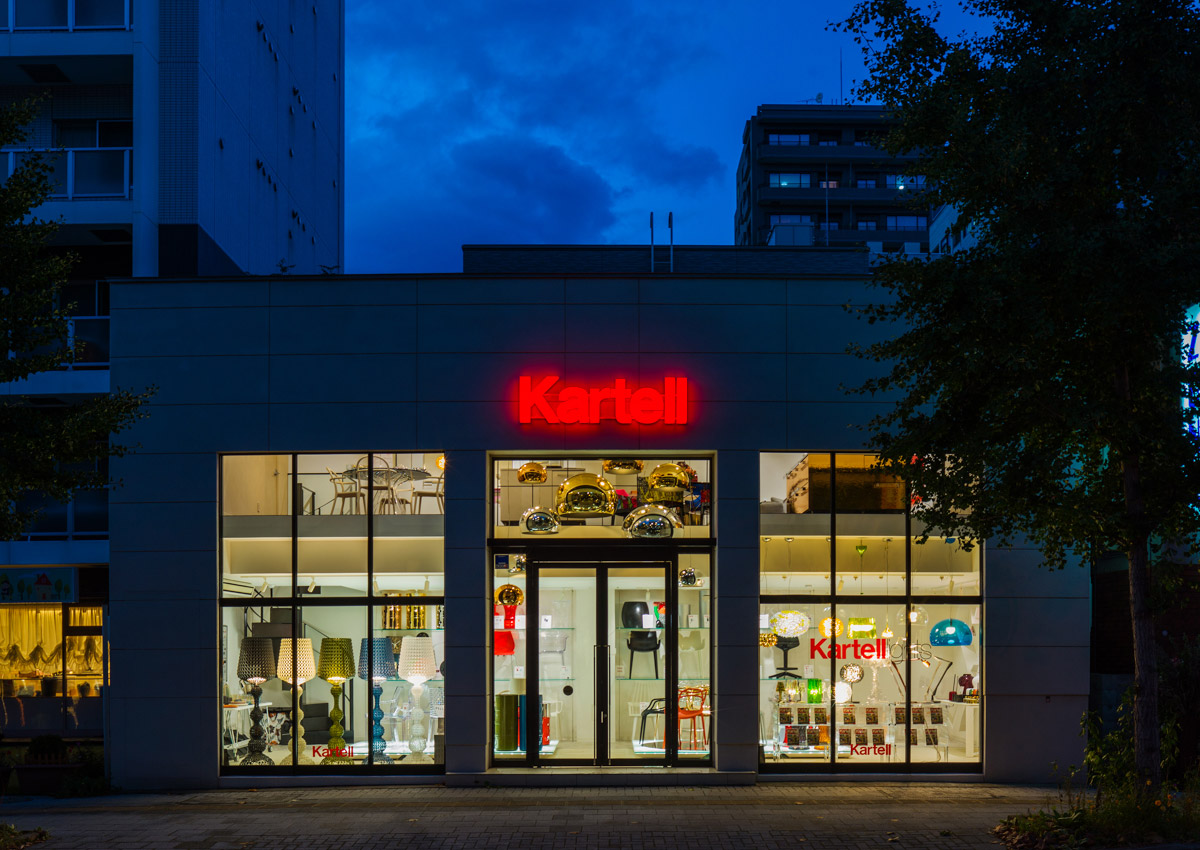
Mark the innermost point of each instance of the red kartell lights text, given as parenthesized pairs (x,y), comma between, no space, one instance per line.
(621,402)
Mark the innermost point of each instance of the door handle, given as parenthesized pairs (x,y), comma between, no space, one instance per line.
(603,716)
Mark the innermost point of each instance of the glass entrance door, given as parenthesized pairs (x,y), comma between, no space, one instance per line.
(597,658)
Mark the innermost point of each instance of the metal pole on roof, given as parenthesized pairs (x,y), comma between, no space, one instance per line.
(651,243)
(671,230)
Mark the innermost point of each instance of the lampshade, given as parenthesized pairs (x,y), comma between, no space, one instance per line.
(622,466)
(539,520)
(585,495)
(861,627)
(651,521)
(417,661)
(790,623)
(256,662)
(950,632)
(815,690)
(831,627)
(842,692)
(337,660)
(851,673)
(509,594)
(306,667)
(385,661)
(767,638)
(531,473)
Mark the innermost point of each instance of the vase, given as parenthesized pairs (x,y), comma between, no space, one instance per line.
(632,613)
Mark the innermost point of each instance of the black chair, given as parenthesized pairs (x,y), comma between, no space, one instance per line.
(658,705)
(643,642)
(787,644)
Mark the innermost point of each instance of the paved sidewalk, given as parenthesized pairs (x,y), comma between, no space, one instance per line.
(815,816)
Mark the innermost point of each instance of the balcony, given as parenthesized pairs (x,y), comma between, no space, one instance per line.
(81,173)
(63,15)
(841,195)
(780,154)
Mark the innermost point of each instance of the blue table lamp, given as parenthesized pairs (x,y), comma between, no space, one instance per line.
(376,670)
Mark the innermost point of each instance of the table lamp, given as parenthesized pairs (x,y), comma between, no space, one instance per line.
(336,666)
(256,664)
(376,670)
(306,668)
(417,665)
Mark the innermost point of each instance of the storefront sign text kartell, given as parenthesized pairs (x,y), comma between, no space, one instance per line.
(541,399)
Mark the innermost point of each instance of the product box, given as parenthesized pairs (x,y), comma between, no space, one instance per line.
(848,715)
(844,737)
(872,713)
(935,714)
(918,716)
(878,737)
(860,737)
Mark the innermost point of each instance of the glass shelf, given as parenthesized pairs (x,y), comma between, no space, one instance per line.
(411,630)
(540,629)
(541,679)
(663,629)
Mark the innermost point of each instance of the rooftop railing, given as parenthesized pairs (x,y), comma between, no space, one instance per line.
(65,15)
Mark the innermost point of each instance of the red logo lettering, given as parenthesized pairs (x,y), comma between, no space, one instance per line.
(574,405)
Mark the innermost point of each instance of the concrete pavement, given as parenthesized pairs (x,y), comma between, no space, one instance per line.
(845,816)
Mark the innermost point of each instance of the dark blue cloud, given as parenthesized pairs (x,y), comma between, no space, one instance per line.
(578,118)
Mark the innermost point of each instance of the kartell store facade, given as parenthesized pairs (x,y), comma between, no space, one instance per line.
(554,512)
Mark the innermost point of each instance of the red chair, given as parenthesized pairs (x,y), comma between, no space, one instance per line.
(692,706)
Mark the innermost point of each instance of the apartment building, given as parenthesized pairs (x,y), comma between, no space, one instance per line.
(813,174)
(187,138)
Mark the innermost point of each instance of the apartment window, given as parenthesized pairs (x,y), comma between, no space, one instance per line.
(902,181)
(865,183)
(787,139)
(789,181)
(829,139)
(866,224)
(907,222)
(791,219)
(829,225)
(93,133)
(829,184)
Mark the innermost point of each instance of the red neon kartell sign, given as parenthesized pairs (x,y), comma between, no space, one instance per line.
(541,399)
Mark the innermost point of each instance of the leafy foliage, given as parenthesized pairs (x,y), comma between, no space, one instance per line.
(1033,365)
(1037,375)
(50,451)
(12,838)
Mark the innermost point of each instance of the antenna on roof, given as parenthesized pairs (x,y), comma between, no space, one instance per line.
(671,229)
(652,243)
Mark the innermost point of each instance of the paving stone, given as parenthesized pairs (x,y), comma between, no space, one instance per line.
(807,815)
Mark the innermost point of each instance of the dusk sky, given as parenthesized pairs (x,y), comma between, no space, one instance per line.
(472,121)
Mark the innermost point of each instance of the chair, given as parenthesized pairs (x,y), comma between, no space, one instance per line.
(380,482)
(438,492)
(345,489)
(692,708)
(639,641)
(656,706)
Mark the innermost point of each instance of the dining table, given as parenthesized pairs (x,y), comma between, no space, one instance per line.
(382,479)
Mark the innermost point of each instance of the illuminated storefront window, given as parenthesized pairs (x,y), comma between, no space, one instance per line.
(870,644)
(332,614)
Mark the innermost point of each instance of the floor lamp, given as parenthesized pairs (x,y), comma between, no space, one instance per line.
(336,666)
(377,664)
(306,668)
(256,664)
(417,666)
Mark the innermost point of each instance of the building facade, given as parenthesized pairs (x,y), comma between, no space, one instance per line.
(814,174)
(406,527)
(186,138)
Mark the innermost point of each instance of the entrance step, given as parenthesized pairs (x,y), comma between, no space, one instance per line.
(598,777)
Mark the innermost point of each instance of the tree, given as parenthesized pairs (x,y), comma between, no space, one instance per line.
(1038,375)
(47,452)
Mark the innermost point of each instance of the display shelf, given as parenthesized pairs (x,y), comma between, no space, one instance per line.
(417,629)
(664,628)
(540,679)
